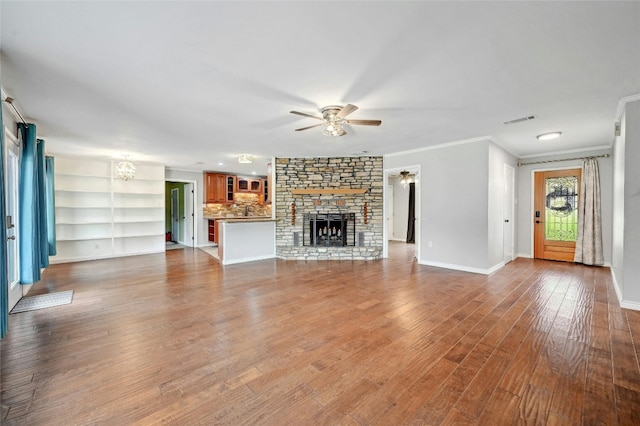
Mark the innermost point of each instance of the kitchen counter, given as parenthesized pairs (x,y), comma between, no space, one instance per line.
(246,219)
(237,217)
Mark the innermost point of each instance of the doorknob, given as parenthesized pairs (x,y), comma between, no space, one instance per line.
(537,221)
(506,220)
(13,237)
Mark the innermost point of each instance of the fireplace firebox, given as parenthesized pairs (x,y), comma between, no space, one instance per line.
(329,229)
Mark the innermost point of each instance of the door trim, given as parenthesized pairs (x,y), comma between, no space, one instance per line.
(195,228)
(418,228)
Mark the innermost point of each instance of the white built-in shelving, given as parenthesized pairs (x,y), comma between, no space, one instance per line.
(99,215)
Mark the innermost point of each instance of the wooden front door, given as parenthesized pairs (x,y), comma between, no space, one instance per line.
(556,214)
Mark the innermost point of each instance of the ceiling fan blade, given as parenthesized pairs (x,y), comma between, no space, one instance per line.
(364,122)
(304,114)
(346,110)
(309,127)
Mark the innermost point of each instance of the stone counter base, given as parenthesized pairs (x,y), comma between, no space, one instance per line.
(329,253)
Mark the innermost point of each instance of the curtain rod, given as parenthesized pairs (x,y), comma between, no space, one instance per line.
(564,159)
(10,102)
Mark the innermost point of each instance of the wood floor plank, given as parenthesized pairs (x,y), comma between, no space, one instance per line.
(176,338)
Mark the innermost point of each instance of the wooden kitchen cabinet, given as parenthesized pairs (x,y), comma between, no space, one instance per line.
(219,188)
(250,185)
(213,230)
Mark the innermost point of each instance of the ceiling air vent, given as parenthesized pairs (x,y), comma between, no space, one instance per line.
(519,120)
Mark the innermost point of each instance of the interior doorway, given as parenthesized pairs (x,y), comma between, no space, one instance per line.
(402,205)
(180,226)
(556,214)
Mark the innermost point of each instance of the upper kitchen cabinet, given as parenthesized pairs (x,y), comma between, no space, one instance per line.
(219,188)
(251,185)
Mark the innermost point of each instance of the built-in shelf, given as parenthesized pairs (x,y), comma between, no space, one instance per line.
(100,216)
(329,191)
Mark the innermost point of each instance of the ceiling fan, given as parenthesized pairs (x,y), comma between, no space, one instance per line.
(333,118)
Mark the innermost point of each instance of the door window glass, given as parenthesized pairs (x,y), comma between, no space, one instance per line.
(561,202)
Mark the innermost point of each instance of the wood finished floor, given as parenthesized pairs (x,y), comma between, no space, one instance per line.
(176,338)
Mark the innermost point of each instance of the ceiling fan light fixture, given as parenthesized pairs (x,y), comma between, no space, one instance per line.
(406,177)
(548,136)
(333,128)
(333,118)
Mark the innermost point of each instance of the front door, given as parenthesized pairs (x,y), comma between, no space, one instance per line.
(556,214)
(11,167)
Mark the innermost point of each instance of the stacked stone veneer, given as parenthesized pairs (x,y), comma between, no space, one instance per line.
(329,173)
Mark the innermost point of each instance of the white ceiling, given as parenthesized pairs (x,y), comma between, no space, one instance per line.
(179,83)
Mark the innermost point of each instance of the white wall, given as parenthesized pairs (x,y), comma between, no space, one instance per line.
(202,238)
(454,195)
(525,196)
(626,225)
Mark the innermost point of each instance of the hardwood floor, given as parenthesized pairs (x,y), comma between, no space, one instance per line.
(176,338)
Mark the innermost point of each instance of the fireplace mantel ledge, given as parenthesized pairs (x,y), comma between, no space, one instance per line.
(329,191)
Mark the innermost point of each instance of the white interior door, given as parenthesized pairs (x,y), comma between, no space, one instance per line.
(507,213)
(390,212)
(175,215)
(12,167)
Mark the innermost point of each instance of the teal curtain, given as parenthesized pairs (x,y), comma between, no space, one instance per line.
(4,291)
(41,190)
(34,247)
(51,205)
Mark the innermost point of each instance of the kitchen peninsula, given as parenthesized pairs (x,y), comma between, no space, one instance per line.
(245,239)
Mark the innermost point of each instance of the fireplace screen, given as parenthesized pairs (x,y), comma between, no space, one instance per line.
(329,229)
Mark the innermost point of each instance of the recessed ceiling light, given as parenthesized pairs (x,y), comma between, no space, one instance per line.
(253,173)
(548,136)
(221,164)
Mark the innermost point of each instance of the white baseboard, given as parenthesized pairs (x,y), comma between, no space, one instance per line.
(248,259)
(463,267)
(53,260)
(616,287)
(626,304)
(524,255)
(635,306)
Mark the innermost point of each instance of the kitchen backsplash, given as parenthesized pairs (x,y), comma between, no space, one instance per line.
(238,208)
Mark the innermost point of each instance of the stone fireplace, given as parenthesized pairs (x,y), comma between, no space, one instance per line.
(329,208)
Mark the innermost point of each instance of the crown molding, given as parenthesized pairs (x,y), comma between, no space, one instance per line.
(623,102)
(441,146)
(569,151)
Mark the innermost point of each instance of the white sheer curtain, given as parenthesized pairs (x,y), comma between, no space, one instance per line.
(589,243)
